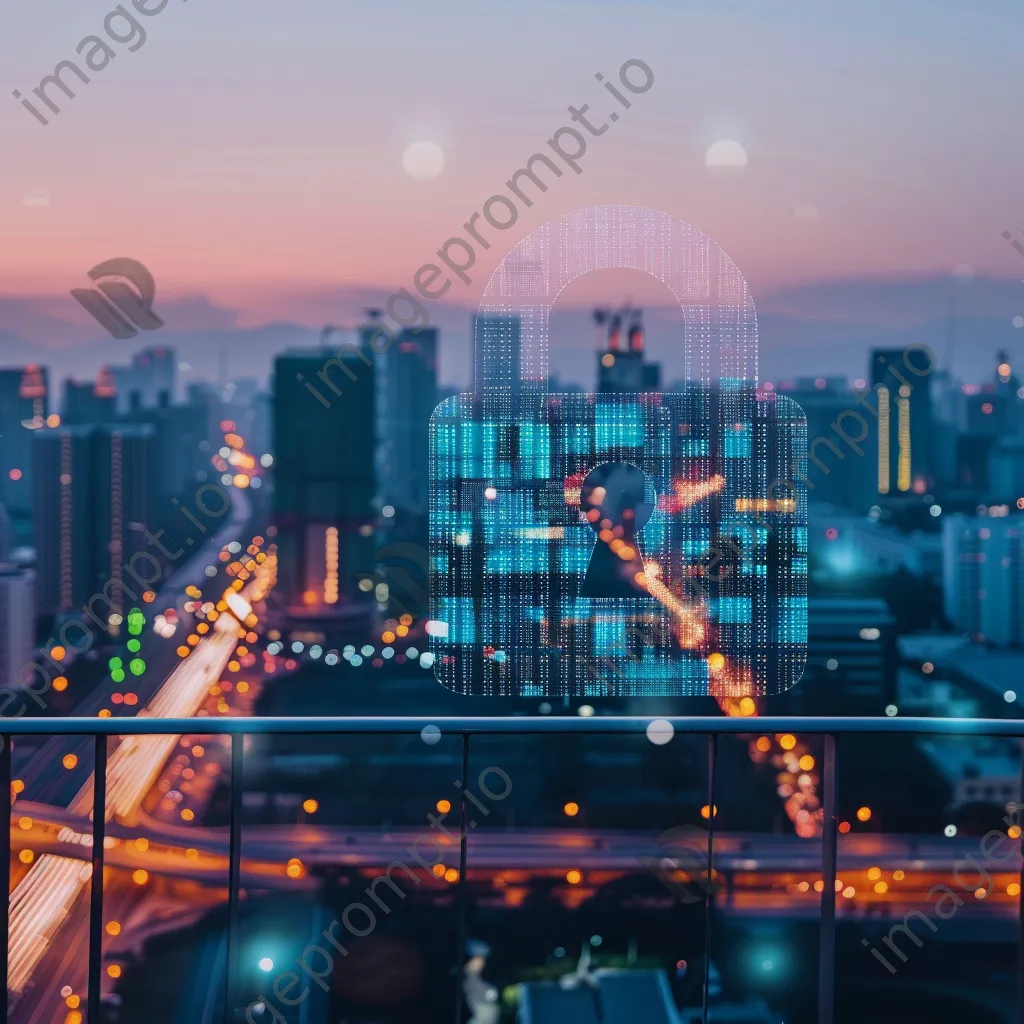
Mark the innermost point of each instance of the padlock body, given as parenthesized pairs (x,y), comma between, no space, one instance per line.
(722,607)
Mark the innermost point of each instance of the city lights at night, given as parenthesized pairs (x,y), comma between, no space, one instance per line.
(512,516)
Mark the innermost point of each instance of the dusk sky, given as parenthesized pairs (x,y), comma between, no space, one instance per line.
(250,152)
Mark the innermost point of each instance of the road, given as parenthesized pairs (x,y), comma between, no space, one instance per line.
(492,849)
(44,775)
(47,900)
(750,865)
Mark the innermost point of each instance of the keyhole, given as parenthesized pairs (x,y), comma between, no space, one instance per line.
(614,500)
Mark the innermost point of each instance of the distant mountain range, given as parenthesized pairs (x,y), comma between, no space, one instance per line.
(823,328)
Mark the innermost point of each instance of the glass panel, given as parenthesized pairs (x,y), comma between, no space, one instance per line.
(767,861)
(587,859)
(929,887)
(51,845)
(350,866)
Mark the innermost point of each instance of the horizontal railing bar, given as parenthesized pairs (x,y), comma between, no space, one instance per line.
(610,724)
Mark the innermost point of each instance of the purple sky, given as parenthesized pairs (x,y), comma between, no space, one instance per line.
(250,153)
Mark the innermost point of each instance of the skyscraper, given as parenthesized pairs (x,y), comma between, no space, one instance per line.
(324,475)
(983,577)
(408,397)
(24,406)
(87,402)
(900,379)
(851,655)
(17,622)
(621,367)
(836,473)
(497,356)
(95,494)
(186,435)
(63,517)
(154,370)
(150,375)
(125,482)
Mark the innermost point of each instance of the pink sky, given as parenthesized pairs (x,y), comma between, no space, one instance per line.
(254,158)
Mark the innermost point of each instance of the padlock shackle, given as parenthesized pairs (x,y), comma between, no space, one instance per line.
(511,329)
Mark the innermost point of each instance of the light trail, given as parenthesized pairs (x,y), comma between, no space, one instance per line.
(44,897)
(137,762)
(690,621)
(39,905)
(688,493)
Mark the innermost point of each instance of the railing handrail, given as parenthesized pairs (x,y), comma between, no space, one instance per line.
(507,725)
(712,727)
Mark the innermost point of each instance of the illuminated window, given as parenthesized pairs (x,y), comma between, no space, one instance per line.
(331,565)
(903,464)
(883,440)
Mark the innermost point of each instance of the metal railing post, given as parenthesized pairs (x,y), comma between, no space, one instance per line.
(1020,902)
(234,874)
(463,931)
(99,831)
(5,852)
(829,852)
(709,883)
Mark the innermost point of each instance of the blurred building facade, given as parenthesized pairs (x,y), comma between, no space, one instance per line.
(983,577)
(17,622)
(901,382)
(95,493)
(622,366)
(407,395)
(24,408)
(325,476)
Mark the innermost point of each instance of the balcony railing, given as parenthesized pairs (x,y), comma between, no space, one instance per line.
(830,729)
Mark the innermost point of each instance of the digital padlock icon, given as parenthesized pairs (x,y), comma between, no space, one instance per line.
(618,544)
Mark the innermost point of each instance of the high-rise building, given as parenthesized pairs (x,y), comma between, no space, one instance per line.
(17,622)
(62,517)
(95,496)
(88,402)
(1006,471)
(497,357)
(851,655)
(141,384)
(983,577)
(24,406)
(836,473)
(186,436)
(900,379)
(324,476)
(6,535)
(408,396)
(989,451)
(154,373)
(621,366)
(125,462)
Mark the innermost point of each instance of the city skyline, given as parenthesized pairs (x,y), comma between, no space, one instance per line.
(246,236)
(835,324)
(512,513)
